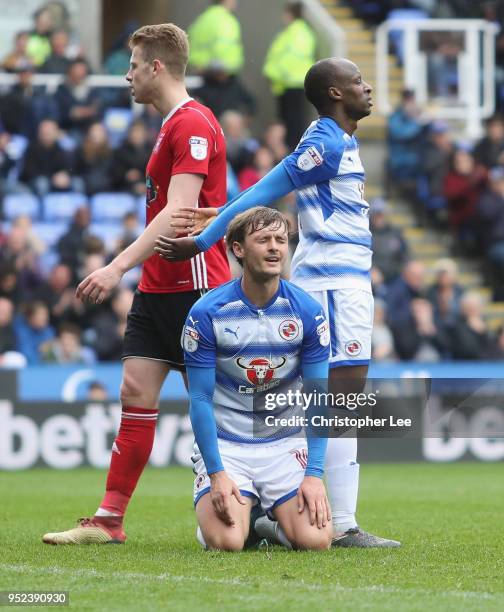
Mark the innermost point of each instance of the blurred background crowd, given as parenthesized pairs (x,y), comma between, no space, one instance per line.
(72,190)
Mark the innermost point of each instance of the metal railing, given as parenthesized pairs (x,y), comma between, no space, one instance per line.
(475,99)
(322,20)
(51,81)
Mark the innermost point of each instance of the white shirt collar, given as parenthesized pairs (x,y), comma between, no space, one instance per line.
(175,109)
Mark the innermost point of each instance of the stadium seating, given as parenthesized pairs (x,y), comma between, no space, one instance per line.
(108,232)
(141,209)
(18,204)
(117,121)
(50,232)
(62,206)
(111,206)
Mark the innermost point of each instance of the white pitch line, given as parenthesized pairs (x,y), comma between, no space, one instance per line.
(92,573)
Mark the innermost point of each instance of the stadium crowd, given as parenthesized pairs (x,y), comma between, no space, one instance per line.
(72,194)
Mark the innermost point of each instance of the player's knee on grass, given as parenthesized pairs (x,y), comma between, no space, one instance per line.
(298,530)
(230,539)
(312,538)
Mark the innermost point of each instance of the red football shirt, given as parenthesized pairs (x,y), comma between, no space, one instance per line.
(190,142)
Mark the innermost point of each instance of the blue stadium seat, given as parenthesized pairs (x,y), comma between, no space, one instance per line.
(50,233)
(117,121)
(62,206)
(18,204)
(108,232)
(111,206)
(141,209)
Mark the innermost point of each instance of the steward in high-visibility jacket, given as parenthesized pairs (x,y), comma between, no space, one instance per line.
(215,39)
(290,56)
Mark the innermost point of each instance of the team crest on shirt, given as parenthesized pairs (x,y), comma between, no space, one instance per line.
(353,348)
(259,372)
(191,339)
(310,159)
(289,329)
(199,147)
(151,190)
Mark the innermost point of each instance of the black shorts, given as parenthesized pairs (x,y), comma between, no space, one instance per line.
(154,326)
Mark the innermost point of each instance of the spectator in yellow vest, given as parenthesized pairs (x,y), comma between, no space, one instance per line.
(215,38)
(289,58)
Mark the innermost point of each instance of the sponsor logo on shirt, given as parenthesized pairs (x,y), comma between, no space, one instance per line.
(323,333)
(259,372)
(199,147)
(191,338)
(288,329)
(310,159)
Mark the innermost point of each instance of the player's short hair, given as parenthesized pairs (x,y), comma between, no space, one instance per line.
(318,80)
(252,221)
(165,42)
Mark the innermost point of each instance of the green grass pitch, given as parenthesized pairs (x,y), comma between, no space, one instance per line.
(449,518)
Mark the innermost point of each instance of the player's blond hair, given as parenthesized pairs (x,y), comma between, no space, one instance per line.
(165,42)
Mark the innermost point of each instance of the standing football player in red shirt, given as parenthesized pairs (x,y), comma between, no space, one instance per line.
(187,168)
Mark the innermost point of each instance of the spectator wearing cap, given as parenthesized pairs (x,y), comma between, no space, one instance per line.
(434,165)
(490,148)
(18,59)
(462,187)
(405,136)
(390,250)
(289,57)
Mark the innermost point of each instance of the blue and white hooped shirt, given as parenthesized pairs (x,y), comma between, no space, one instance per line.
(334,248)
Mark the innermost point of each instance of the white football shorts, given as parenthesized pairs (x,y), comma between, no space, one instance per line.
(269,473)
(350,314)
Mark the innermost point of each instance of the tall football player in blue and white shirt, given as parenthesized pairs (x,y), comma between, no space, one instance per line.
(245,343)
(333,258)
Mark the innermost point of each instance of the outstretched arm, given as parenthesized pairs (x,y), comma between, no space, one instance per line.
(274,185)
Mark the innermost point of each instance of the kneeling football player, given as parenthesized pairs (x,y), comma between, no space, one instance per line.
(255,338)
